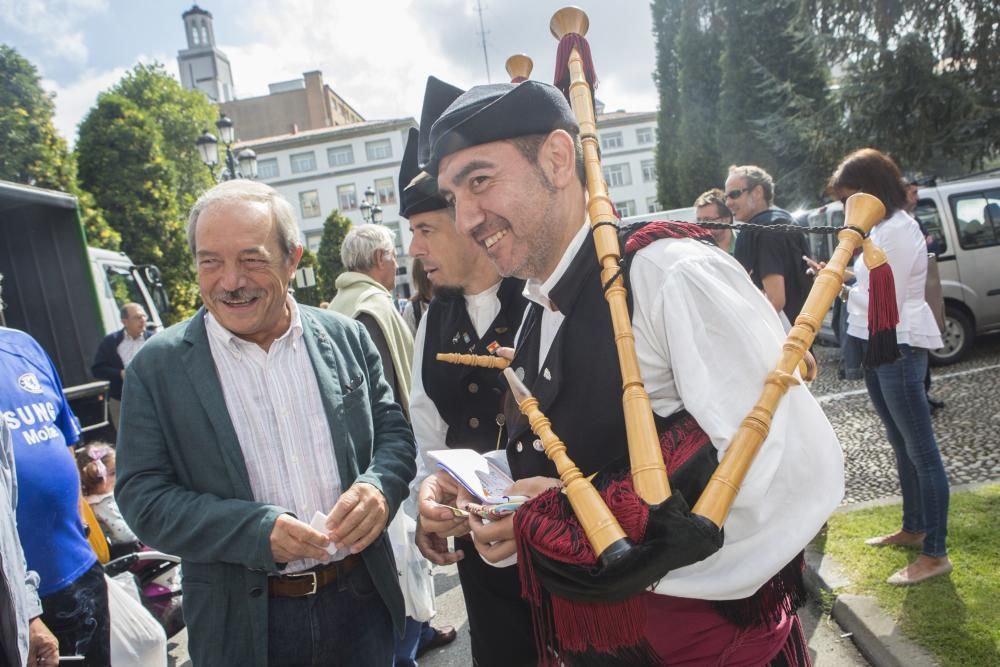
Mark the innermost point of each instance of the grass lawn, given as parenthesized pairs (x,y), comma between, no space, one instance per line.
(956,617)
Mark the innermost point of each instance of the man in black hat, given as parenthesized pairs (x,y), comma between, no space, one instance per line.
(473,312)
(508,159)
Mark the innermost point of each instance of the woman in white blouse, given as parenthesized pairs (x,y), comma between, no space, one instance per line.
(897,389)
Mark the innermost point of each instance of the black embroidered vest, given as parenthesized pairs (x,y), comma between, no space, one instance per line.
(470,400)
(579,387)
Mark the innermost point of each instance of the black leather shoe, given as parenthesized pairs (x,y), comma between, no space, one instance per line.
(442,637)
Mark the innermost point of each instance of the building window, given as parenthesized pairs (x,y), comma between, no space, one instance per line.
(611,140)
(340,156)
(378,150)
(649,171)
(347,197)
(625,208)
(644,135)
(303,162)
(398,240)
(312,240)
(386,190)
(268,168)
(309,203)
(617,175)
(652,206)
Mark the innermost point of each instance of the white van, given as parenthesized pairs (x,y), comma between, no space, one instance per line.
(964,216)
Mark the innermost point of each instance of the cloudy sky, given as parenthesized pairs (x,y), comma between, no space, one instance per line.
(375,53)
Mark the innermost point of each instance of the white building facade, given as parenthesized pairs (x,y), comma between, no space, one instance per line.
(628,157)
(330,168)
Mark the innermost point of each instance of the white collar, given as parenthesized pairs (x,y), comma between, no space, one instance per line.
(234,343)
(539,292)
(486,296)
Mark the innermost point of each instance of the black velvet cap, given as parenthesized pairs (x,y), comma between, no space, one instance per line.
(423,196)
(438,96)
(498,111)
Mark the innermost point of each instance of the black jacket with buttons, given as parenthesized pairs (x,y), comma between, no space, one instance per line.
(470,400)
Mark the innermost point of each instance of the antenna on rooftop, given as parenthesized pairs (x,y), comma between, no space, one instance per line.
(482,35)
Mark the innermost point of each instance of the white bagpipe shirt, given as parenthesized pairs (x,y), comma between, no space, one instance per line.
(706,339)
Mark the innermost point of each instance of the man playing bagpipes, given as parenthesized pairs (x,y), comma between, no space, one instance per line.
(473,312)
(508,159)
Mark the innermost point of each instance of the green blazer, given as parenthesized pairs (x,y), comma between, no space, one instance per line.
(183,486)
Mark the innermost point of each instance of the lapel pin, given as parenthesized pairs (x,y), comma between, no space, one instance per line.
(546,374)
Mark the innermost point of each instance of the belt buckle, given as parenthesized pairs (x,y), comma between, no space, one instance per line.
(315,582)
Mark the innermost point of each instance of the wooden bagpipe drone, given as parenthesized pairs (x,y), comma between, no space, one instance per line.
(634,526)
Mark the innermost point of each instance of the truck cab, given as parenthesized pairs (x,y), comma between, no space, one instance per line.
(118,281)
(65,295)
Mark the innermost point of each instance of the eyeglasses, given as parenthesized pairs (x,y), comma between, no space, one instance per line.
(736,194)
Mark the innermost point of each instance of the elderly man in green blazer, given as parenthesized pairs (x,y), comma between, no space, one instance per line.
(260,442)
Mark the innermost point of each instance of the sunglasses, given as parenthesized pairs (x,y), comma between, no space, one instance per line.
(736,194)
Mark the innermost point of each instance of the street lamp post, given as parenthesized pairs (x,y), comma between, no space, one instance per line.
(370,210)
(242,165)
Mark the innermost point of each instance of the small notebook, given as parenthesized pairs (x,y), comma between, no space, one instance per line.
(483,477)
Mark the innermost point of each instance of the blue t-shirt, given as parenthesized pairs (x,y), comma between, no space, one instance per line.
(42,426)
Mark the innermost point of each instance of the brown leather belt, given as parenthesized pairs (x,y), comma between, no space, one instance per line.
(303,584)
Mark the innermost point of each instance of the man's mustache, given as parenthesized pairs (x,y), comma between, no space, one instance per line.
(241,294)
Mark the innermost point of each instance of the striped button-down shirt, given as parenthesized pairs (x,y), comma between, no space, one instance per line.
(274,403)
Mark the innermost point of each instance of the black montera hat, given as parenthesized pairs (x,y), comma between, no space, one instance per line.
(438,96)
(422,197)
(498,111)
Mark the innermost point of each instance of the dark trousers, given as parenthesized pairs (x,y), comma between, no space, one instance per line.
(345,623)
(499,620)
(78,617)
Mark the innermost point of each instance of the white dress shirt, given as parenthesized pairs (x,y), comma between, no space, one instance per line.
(903,243)
(706,338)
(129,347)
(274,404)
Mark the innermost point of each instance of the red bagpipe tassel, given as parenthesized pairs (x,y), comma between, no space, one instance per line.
(883,313)
(569,42)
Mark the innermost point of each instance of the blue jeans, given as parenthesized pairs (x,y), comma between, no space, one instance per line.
(897,392)
(345,624)
(416,635)
(78,616)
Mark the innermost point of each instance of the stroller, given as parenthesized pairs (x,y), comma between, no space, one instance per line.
(156,575)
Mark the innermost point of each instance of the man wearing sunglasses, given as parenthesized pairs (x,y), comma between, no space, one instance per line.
(773,259)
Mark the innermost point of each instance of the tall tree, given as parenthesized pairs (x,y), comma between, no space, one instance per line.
(928,121)
(925,76)
(32,152)
(699,45)
(122,163)
(180,115)
(335,228)
(666,18)
(773,90)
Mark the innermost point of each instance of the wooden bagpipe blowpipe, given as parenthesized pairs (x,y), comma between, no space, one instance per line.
(675,535)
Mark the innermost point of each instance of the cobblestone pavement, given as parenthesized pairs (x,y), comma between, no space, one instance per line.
(967,427)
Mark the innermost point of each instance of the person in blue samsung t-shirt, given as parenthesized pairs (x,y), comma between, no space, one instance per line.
(72,588)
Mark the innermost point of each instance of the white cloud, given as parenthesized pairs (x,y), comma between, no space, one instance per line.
(53,23)
(378,66)
(73,101)
(377,54)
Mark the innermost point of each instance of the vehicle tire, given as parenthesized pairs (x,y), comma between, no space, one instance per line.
(959,334)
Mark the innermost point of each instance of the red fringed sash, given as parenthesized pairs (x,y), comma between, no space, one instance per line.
(883,316)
